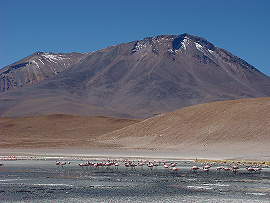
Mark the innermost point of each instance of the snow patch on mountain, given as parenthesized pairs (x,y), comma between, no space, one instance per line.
(185,43)
(54,58)
(199,47)
(36,64)
(41,61)
(140,46)
(211,51)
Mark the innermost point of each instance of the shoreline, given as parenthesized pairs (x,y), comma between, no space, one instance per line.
(129,154)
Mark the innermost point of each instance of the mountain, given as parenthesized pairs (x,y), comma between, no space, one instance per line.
(35,68)
(140,79)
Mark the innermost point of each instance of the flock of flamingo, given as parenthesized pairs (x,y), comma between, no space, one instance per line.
(207,167)
(109,164)
(167,165)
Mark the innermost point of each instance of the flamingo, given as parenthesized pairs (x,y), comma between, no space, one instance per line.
(83,164)
(150,166)
(218,168)
(108,164)
(175,169)
(227,169)
(206,167)
(194,169)
(234,171)
(116,165)
(97,165)
(258,169)
(63,163)
(235,167)
(155,165)
(206,170)
(132,165)
(141,165)
(166,166)
(127,165)
(250,169)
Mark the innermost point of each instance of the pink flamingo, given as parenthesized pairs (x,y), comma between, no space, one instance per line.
(155,165)
(63,163)
(116,165)
(235,167)
(83,164)
(206,170)
(250,169)
(234,171)
(206,167)
(97,165)
(132,165)
(175,169)
(108,164)
(258,169)
(166,166)
(194,169)
(218,169)
(141,165)
(150,166)
(227,169)
(127,165)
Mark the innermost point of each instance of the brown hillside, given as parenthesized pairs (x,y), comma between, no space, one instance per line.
(235,128)
(57,131)
(227,129)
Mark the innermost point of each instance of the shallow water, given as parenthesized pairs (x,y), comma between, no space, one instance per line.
(43,181)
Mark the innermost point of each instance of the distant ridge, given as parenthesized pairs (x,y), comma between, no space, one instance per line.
(35,68)
(139,79)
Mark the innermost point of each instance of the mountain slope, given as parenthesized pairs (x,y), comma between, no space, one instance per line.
(57,131)
(236,128)
(144,78)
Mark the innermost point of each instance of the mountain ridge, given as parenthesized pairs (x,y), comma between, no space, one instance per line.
(35,68)
(148,77)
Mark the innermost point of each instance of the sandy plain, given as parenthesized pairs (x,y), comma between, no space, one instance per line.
(235,130)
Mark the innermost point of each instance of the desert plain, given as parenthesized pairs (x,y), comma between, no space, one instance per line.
(234,130)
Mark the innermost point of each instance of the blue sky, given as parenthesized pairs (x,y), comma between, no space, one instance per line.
(240,26)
